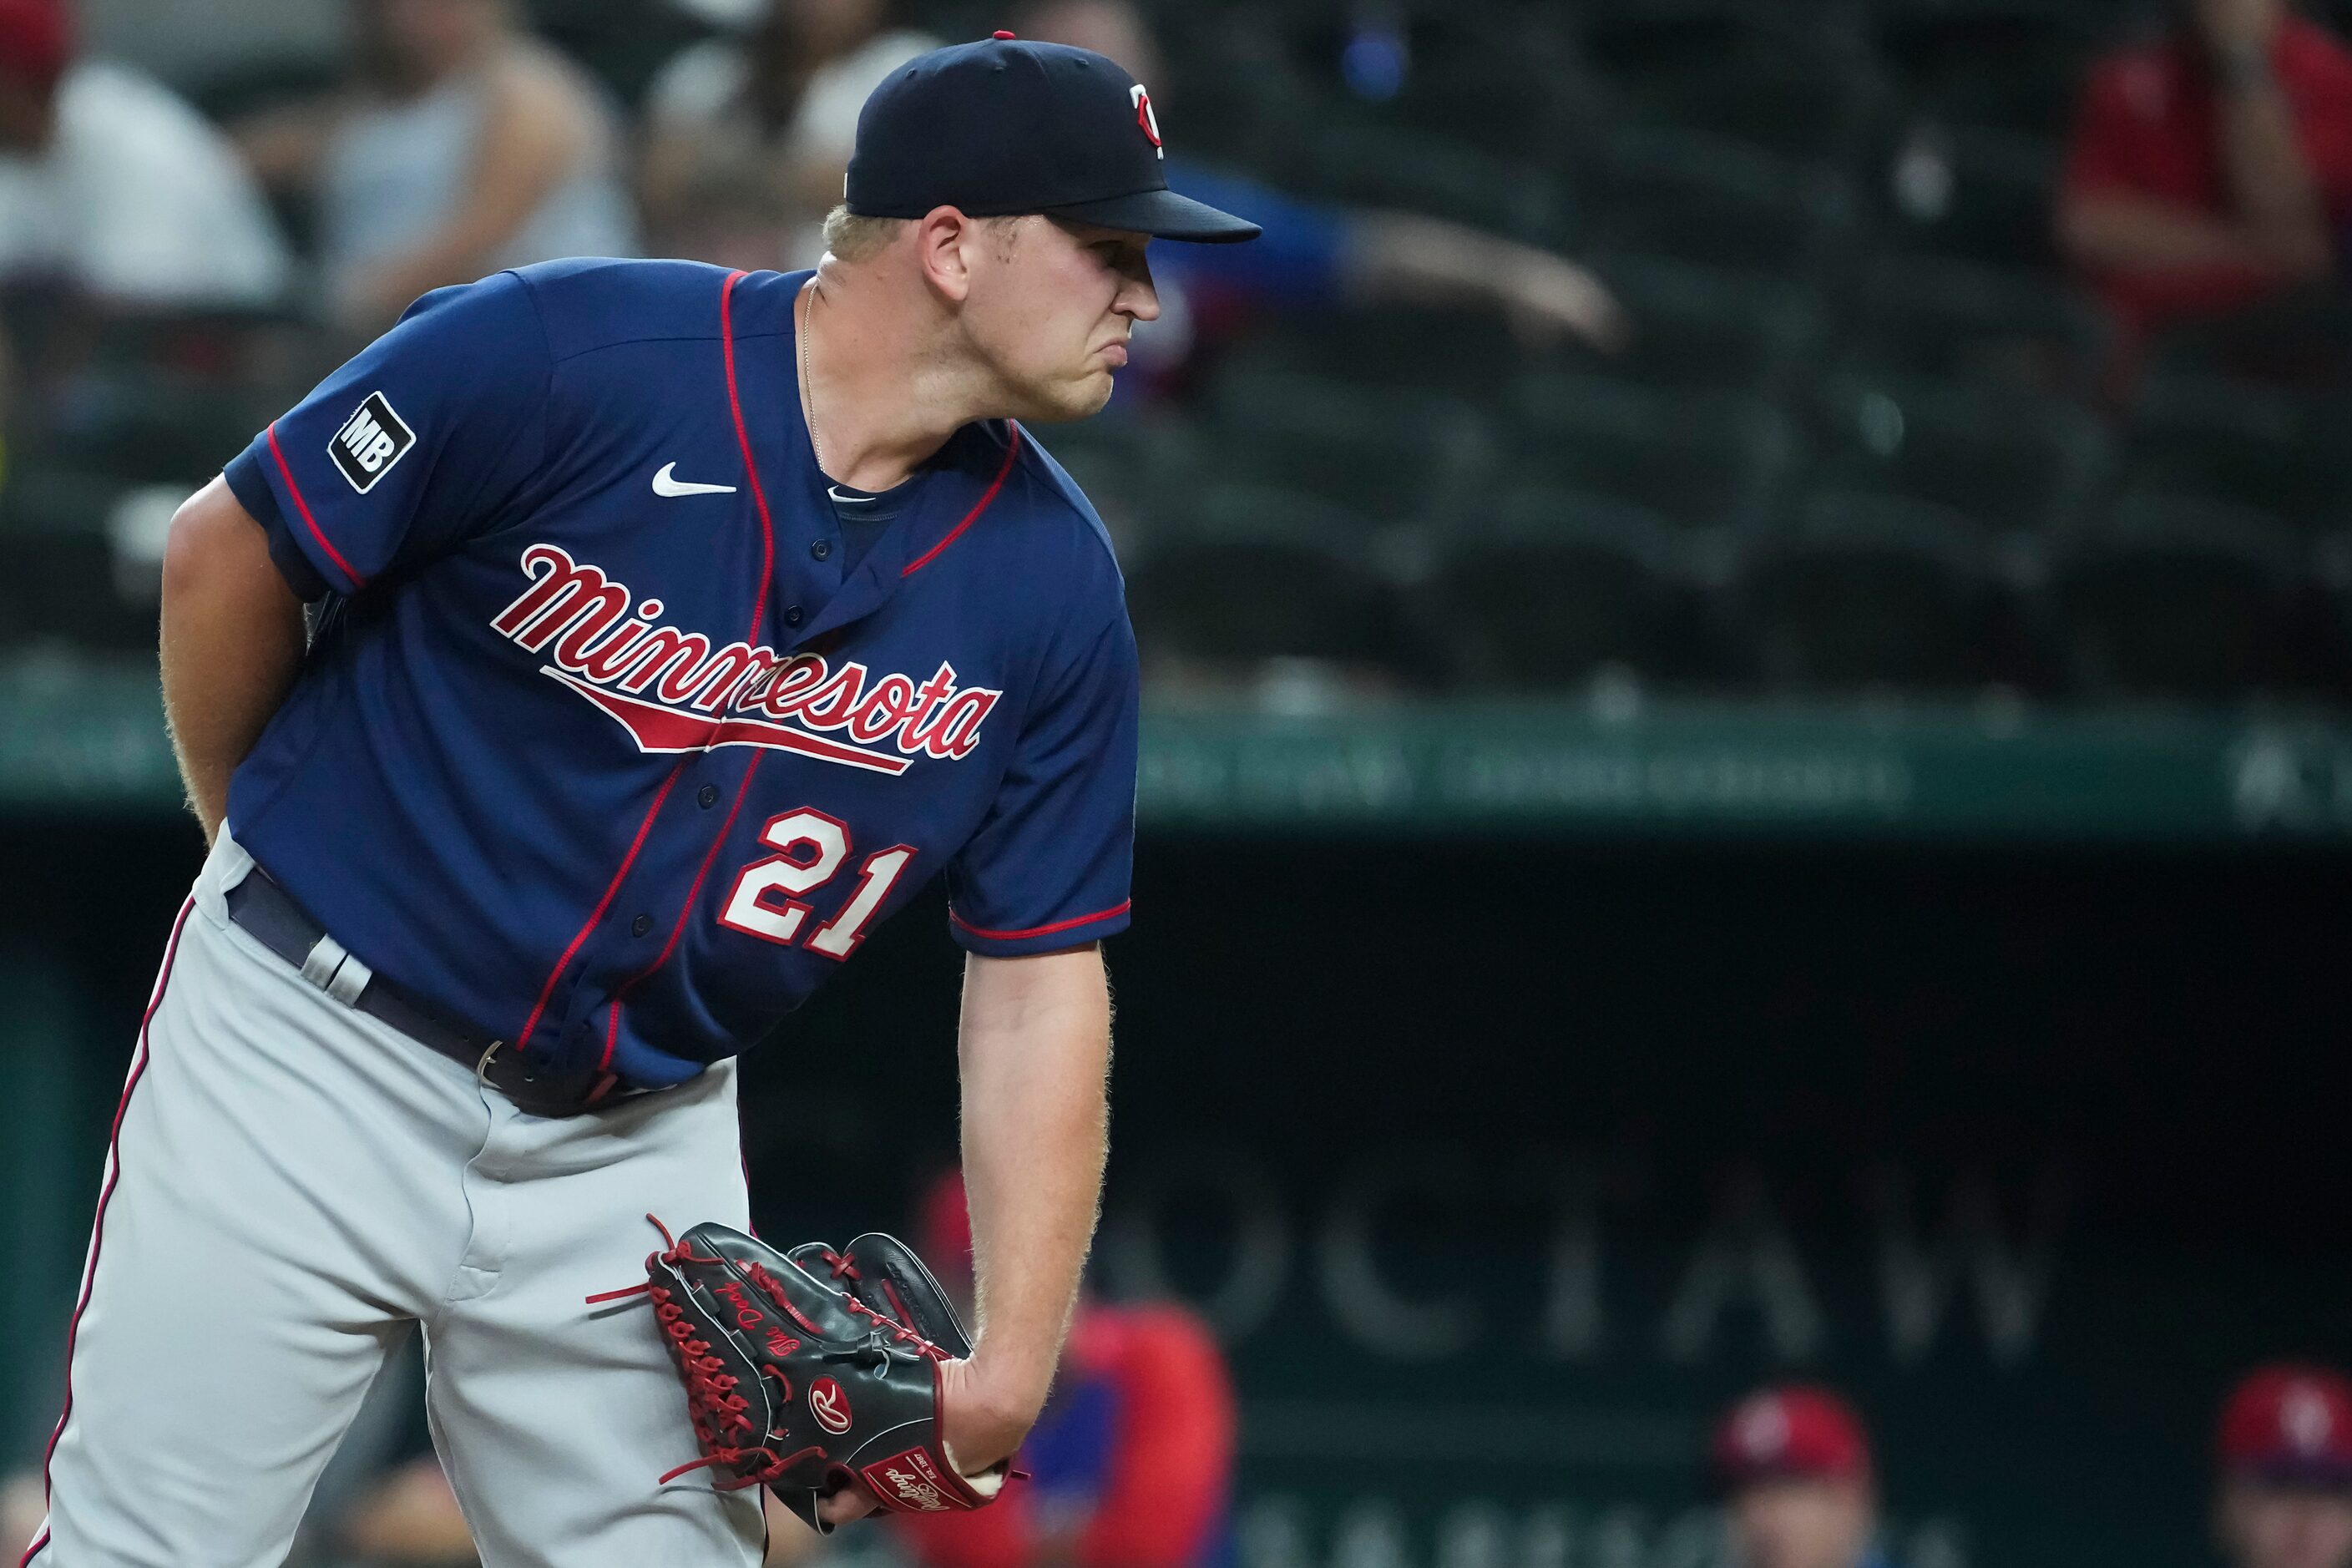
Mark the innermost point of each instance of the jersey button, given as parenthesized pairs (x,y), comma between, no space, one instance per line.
(821,548)
(641,925)
(707,797)
(793,617)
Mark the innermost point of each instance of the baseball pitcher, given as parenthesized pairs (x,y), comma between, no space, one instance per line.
(566,687)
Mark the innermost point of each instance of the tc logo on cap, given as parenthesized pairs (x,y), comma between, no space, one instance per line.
(1141,98)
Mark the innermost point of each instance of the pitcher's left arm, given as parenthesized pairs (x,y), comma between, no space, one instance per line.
(1035,1056)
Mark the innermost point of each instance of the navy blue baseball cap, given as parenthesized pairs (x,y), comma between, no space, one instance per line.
(1005,126)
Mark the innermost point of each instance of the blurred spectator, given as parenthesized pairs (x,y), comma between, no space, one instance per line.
(463,146)
(1796,1474)
(2285,1457)
(411,1516)
(1131,1463)
(747,143)
(2211,169)
(113,187)
(1314,255)
(22,1508)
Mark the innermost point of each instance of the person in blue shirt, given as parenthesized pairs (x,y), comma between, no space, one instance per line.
(666,627)
(1319,255)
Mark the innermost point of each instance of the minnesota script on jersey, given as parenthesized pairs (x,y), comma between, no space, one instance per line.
(600,750)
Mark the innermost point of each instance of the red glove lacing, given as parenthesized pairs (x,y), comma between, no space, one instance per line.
(719,1414)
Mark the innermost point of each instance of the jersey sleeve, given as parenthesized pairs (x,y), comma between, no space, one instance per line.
(409,447)
(1048,868)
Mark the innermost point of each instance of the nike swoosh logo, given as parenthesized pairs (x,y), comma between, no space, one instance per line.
(835,491)
(666,486)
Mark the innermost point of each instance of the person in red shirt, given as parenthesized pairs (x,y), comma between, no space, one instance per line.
(1132,1463)
(1798,1491)
(2212,169)
(2285,1460)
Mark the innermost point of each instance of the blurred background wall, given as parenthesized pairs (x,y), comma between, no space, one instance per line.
(2029,1151)
(193,43)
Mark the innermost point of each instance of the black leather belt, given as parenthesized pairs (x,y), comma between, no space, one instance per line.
(270,914)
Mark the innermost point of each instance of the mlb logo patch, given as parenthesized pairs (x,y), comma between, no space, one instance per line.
(371,441)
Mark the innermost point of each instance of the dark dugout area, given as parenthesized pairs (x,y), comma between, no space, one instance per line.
(1545,1149)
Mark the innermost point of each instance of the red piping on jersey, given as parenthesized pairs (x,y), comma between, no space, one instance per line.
(1011,448)
(759,610)
(1118,909)
(743,439)
(612,1023)
(523,1040)
(97,1225)
(303,507)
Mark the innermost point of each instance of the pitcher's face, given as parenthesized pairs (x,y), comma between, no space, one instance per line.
(1049,312)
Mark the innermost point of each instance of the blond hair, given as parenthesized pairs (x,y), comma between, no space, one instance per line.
(855,237)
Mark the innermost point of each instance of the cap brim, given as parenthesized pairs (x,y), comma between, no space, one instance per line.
(1163,215)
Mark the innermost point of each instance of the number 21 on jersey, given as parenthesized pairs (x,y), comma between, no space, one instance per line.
(811,849)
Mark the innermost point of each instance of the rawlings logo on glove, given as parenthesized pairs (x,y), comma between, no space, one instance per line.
(806,1369)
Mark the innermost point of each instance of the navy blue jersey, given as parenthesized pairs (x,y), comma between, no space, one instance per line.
(598,747)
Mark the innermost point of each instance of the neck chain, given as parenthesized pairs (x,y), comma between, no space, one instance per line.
(808,387)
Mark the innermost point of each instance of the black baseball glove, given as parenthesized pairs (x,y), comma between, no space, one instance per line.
(809,1370)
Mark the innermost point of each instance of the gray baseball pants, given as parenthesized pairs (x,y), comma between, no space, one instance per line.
(291,1185)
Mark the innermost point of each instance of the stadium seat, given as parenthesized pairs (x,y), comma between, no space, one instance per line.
(2176,597)
(1554,588)
(1232,97)
(1661,37)
(2014,65)
(1951,319)
(2007,459)
(1812,106)
(1865,592)
(2299,342)
(1388,456)
(1256,575)
(624,43)
(1975,196)
(142,424)
(251,83)
(1122,462)
(1498,85)
(2249,446)
(1407,170)
(1702,462)
(57,567)
(1702,199)
(1697,327)
(1427,348)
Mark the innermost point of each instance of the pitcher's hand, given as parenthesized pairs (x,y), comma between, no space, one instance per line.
(979,1427)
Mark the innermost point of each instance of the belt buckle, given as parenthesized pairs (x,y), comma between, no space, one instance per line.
(482,1068)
